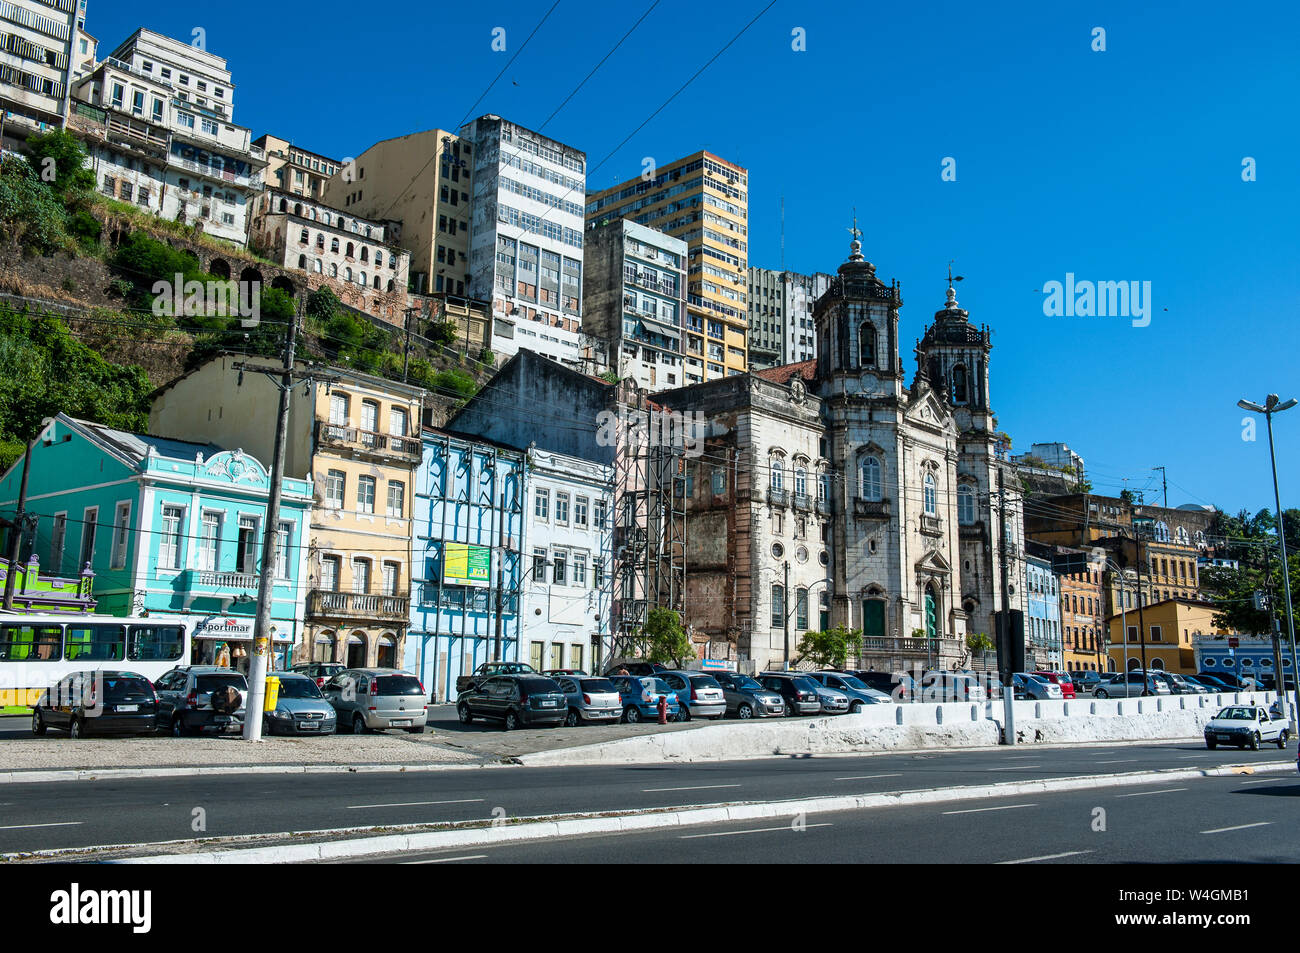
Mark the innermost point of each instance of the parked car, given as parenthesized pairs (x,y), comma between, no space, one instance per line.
(746,698)
(1198,685)
(1064,680)
(1268,682)
(633,667)
(319,672)
(698,693)
(99,703)
(858,693)
(951,687)
(897,685)
(589,699)
(1245,726)
(488,669)
(1035,686)
(515,701)
(1235,682)
(798,692)
(639,695)
(1130,685)
(300,708)
(1215,684)
(1085,682)
(376,699)
(557,672)
(197,698)
(1178,685)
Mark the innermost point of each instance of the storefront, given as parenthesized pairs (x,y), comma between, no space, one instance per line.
(227,641)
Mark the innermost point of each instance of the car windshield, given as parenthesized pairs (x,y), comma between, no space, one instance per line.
(745,683)
(399,685)
(804,683)
(299,688)
(851,682)
(598,685)
(655,685)
(1237,714)
(1040,678)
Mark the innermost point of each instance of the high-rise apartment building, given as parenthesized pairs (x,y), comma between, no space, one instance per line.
(703,200)
(423,181)
(781,316)
(38,41)
(634,301)
(526,236)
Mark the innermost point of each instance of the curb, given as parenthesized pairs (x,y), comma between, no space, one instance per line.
(40,775)
(608,823)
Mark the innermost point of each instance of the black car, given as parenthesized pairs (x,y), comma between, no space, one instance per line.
(514,700)
(638,669)
(85,703)
(798,692)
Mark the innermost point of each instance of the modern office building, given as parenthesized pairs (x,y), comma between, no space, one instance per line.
(781,316)
(634,300)
(157,116)
(39,40)
(703,200)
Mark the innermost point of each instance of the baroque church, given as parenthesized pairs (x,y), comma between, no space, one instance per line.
(831,492)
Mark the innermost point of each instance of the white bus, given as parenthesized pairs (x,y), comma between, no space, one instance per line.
(36,651)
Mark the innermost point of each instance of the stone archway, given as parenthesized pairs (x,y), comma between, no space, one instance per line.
(358,650)
(284,284)
(250,275)
(219,268)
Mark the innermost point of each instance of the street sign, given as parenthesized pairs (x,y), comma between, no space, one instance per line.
(1233,643)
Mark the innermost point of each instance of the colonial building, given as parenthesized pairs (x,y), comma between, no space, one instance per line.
(1166,636)
(1043,644)
(830,482)
(295,170)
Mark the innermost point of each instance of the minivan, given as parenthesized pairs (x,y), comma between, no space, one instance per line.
(375,699)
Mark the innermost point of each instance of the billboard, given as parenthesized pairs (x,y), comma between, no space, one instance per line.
(466,565)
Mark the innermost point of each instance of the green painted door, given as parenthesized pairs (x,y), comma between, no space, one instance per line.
(931,616)
(873,618)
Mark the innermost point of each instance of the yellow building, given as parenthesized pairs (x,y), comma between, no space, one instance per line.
(703,200)
(294,170)
(1170,625)
(357,438)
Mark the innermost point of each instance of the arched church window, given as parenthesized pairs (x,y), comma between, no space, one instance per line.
(931,499)
(870,484)
(866,345)
(960,389)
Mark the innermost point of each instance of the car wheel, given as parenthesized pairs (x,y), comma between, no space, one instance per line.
(464,714)
(683,713)
(571,719)
(1101,693)
(632,715)
(358,724)
(1283,738)
(855,708)
(744,712)
(1211,745)
(512,720)
(76,729)
(38,723)
(1254,741)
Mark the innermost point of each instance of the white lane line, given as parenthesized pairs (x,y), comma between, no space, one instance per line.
(1239,827)
(1188,757)
(1019,767)
(1265,781)
(869,777)
(468,800)
(446,860)
(1145,793)
(1120,761)
(980,810)
(21,827)
(757,830)
(693,787)
(1034,860)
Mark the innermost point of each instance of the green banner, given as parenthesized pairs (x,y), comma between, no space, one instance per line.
(466,565)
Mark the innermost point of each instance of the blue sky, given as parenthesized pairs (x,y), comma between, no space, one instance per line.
(1116,165)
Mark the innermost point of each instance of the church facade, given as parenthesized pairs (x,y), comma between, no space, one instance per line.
(831,492)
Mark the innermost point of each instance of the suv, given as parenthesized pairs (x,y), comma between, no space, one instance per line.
(465,682)
(197,698)
(515,700)
(97,702)
(746,698)
(699,694)
(951,687)
(375,699)
(321,672)
(799,692)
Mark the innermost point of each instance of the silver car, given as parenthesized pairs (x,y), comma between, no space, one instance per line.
(1035,686)
(857,691)
(698,693)
(1130,685)
(833,702)
(746,698)
(590,699)
(300,708)
(375,699)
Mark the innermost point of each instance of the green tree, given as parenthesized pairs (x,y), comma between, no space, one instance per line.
(322,305)
(30,211)
(979,642)
(829,649)
(664,639)
(62,154)
(442,333)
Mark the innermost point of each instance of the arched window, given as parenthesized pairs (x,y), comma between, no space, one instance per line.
(1162,532)
(320,240)
(362,280)
(317,267)
(329,218)
(334,270)
(390,284)
(351,250)
(870,486)
(965,505)
(376,282)
(801,481)
(778,474)
(334,245)
(304,236)
(347,274)
(931,501)
(367,231)
(379,258)
(960,392)
(365,253)
(284,205)
(302,262)
(342,222)
(866,345)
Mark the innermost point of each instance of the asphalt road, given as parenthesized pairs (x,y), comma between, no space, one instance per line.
(1209,820)
(140,811)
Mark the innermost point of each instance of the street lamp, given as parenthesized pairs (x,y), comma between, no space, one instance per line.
(1272,405)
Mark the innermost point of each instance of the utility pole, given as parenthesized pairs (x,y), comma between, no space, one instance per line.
(1164,484)
(1004,621)
(785,595)
(406,352)
(19,525)
(501,558)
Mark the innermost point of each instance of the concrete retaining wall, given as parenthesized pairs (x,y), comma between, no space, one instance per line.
(915,726)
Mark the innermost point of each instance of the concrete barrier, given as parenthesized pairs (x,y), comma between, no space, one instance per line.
(916,726)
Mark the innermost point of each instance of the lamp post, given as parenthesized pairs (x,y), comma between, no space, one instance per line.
(1272,405)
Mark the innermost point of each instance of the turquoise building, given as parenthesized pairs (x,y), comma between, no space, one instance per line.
(166,527)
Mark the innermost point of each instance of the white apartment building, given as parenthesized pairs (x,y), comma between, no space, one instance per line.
(781,316)
(157,115)
(37,44)
(526,237)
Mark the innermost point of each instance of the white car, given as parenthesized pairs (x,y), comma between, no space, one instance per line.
(1245,726)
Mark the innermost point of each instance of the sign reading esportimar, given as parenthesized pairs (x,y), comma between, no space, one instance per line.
(466,565)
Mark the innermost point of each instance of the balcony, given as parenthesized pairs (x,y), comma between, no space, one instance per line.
(802,501)
(402,450)
(778,496)
(971,530)
(327,605)
(871,509)
(823,506)
(228,580)
(224,585)
(921,648)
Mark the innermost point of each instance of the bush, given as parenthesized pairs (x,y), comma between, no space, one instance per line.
(442,333)
(144,260)
(454,381)
(30,210)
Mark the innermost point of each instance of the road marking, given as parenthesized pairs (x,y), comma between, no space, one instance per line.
(21,827)
(1145,793)
(468,800)
(869,777)
(757,830)
(446,860)
(694,787)
(1239,827)
(1263,781)
(1019,767)
(1121,761)
(1188,757)
(979,810)
(1034,860)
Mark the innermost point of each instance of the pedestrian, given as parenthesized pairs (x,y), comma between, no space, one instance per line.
(622,670)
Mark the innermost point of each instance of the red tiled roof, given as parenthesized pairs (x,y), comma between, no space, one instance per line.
(781,375)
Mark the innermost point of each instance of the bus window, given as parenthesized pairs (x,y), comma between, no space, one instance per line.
(30,643)
(157,643)
(95,643)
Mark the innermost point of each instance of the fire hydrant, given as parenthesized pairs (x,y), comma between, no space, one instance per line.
(663,709)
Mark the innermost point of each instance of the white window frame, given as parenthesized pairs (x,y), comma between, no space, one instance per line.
(121,534)
(367,506)
(171,546)
(331,500)
(215,549)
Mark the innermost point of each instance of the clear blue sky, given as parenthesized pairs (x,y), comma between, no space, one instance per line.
(1115,165)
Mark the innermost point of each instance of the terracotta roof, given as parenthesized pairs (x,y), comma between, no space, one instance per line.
(781,375)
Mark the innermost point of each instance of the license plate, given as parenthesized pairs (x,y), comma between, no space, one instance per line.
(308,725)
(128,707)
(1222,738)
(221,719)
(548,704)
(401,722)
